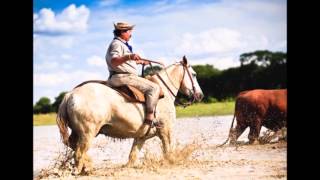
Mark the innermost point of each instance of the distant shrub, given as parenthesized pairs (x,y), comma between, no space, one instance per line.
(228,99)
(210,99)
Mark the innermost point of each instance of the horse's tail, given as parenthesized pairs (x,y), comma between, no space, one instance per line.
(234,116)
(63,119)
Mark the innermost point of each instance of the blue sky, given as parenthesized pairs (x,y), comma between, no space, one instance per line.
(61,4)
(71,37)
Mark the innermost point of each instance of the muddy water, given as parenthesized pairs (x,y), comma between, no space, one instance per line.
(205,131)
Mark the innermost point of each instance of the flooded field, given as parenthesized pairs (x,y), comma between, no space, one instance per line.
(195,140)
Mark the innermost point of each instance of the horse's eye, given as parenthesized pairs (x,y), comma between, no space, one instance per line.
(194,75)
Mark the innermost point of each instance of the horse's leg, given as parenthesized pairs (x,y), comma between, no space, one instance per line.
(165,137)
(73,140)
(136,147)
(82,160)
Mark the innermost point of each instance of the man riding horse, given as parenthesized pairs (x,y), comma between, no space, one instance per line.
(122,65)
(94,108)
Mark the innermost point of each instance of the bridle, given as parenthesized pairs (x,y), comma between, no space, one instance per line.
(185,69)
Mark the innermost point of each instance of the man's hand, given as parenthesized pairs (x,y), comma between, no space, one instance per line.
(134,57)
(138,59)
(142,62)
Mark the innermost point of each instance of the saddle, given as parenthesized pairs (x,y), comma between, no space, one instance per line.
(131,93)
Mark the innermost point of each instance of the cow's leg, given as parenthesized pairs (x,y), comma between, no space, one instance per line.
(254,131)
(82,160)
(236,132)
(277,133)
(136,147)
(283,133)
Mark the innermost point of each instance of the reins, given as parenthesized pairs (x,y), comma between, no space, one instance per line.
(185,68)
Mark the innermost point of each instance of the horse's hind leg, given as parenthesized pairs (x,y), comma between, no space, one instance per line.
(136,147)
(73,140)
(82,160)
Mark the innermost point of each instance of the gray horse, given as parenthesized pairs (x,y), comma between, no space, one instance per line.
(94,109)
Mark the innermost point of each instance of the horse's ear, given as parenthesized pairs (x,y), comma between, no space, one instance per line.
(185,61)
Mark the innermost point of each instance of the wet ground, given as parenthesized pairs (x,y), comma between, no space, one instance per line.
(196,138)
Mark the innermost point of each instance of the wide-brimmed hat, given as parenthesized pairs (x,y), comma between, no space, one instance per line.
(123,26)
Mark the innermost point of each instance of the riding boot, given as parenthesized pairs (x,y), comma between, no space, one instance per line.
(157,124)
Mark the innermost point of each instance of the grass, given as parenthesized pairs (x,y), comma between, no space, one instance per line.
(199,109)
(44,119)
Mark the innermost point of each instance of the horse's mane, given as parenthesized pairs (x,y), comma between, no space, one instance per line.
(165,68)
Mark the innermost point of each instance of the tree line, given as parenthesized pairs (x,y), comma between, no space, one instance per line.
(260,69)
(257,70)
(44,104)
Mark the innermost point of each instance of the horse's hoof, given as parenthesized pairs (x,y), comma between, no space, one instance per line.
(86,171)
(129,165)
(254,142)
(232,143)
(75,172)
(83,172)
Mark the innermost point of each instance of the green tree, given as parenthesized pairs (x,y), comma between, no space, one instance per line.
(263,58)
(271,68)
(58,101)
(207,79)
(206,71)
(42,106)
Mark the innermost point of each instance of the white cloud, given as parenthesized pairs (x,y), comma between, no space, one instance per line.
(251,42)
(96,61)
(70,20)
(50,43)
(66,56)
(46,65)
(221,63)
(226,62)
(216,40)
(67,66)
(62,41)
(49,93)
(35,16)
(59,78)
(281,45)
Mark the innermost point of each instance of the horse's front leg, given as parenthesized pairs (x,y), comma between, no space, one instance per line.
(136,147)
(166,139)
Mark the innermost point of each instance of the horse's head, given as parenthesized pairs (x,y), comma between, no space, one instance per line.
(189,85)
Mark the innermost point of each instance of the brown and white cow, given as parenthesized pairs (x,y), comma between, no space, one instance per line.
(257,108)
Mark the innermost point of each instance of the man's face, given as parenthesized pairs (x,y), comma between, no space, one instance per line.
(126,35)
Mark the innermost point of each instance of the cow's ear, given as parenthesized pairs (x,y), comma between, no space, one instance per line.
(184,60)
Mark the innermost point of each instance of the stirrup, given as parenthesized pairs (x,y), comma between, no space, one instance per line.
(157,124)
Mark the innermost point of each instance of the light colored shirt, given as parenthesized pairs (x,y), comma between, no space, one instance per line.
(117,48)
